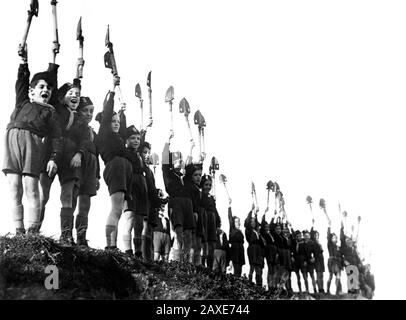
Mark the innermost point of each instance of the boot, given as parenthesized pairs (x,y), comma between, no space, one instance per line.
(137,247)
(81,228)
(81,240)
(20,231)
(146,248)
(328,286)
(129,253)
(66,227)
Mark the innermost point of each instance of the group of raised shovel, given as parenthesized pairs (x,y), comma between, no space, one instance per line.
(184,108)
(110,63)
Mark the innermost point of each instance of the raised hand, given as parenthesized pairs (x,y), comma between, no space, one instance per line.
(116,81)
(23,52)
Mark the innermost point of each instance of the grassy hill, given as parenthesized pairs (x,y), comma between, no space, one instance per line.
(86,273)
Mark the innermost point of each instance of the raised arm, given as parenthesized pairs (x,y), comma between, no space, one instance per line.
(22,84)
(230,219)
(247,222)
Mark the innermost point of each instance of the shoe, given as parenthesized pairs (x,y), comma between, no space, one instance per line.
(20,231)
(33,231)
(67,241)
(129,253)
(82,242)
(112,249)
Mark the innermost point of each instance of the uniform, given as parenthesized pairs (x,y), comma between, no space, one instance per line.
(255,249)
(237,254)
(118,168)
(29,123)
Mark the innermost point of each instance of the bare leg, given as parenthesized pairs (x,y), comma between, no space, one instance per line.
(44,190)
(16,191)
(128,227)
(34,208)
(117,203)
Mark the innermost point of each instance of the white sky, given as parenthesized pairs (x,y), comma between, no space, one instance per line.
(307,93)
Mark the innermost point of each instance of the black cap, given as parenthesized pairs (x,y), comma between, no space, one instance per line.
(131,130)
(84,102)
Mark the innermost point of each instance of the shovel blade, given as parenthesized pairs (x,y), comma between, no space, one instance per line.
(34,7)
(107,40)
(149,80)
(169,94)
(79,34)
(107,61)
(270,185)
(199,119)
(214,164)
(184,107)
(322,203)
(223,178)
(138,91)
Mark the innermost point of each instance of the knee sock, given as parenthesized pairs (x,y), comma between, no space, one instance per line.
(81,225)
(145,247)
(42,217)
(66,222)
(18,217)
(111,235)
(127,242)
(137,246)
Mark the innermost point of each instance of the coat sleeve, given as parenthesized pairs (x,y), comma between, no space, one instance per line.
(166,167)
(53,73)
(123,124)
(22,85)
(230,219)
(56,137)
(108,107)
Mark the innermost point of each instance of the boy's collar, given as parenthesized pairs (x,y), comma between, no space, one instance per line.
(42,104)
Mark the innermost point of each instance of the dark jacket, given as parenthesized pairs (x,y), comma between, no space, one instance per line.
(349,253)
(175,184)
(213,221)
(109,143)
(36,118)
(236,241)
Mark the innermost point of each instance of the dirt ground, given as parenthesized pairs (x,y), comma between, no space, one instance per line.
(86,273)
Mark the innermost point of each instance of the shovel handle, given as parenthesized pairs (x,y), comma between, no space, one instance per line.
(150,106)
(142,113)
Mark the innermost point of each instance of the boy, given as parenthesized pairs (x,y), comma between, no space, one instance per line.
(32,120)
(211,220)
(73,126)
(137,209)
(255,246)
(319,259)
(155,201)
(118,162)
(295,257)
(162,237)
(335,260)
(90,175)
(270,253)
(236,242)
(180,203)
(306,256)
(221,254)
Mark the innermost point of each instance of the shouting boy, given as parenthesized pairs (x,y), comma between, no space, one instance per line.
(32,120)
